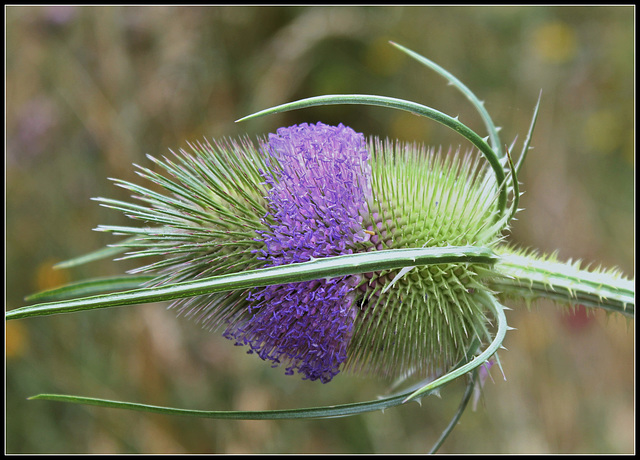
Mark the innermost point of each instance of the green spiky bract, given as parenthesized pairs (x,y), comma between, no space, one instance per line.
(430,277)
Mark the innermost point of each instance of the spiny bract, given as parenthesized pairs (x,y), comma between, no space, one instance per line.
(313,191)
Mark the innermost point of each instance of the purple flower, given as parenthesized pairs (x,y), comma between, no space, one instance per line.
(319,185)
(483,375)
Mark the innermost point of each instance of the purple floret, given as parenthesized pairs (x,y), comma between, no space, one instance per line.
(319,181)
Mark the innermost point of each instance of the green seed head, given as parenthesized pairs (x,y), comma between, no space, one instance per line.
(422,319)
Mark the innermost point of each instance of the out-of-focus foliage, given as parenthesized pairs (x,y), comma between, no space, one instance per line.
(90,90)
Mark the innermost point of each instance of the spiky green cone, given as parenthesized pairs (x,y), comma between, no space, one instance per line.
(422,319)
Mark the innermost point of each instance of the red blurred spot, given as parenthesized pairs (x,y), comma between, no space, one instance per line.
(577,319)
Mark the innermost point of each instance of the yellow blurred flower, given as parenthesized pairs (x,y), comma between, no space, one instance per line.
(15,339)
(555,42)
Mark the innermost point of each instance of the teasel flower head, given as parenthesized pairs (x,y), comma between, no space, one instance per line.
(312,191)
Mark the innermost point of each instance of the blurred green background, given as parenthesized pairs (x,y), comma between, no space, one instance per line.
(91,90)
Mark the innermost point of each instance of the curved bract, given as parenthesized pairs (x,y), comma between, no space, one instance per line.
(416,109)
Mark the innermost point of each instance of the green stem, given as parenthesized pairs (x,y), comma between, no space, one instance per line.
(530,277)
(466,397)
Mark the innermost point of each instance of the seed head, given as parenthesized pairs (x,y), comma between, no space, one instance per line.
(312,191)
